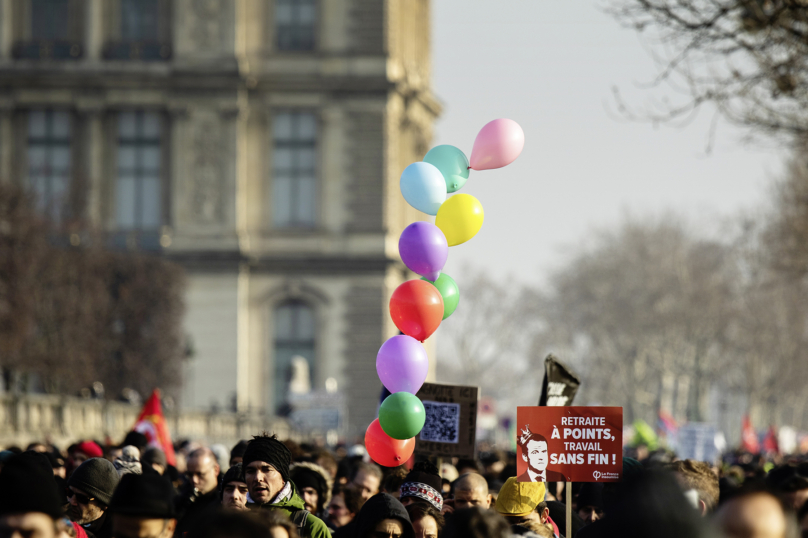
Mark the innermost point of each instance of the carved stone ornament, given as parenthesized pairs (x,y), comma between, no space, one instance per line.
(206,24)
(206,191)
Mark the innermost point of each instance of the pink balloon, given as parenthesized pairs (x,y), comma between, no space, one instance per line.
(498,144)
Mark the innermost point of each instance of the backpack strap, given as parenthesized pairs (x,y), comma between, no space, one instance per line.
(300,517)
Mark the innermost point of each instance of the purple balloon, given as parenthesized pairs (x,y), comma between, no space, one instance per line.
(424,249)
(402,364)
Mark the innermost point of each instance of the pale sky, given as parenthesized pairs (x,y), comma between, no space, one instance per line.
(551,66)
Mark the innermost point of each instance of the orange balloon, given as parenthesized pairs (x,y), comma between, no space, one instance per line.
(385,450)
(417,309)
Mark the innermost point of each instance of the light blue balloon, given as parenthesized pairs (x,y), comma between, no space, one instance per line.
(452,163)
(423,187)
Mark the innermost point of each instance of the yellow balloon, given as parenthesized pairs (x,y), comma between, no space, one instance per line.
(460,217)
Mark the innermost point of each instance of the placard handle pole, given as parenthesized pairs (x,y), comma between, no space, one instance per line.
(568,528)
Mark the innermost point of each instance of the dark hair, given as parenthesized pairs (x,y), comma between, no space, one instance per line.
(276,518)
(353,501)
(421,509)
(232,524)
(477,523)
(395,477)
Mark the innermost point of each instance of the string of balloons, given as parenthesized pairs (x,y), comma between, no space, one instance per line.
(418,307)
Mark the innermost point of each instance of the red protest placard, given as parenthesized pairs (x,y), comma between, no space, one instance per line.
(569,444)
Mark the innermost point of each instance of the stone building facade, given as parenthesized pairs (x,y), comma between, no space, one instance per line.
(258,143)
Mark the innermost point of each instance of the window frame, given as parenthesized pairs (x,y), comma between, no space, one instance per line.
(50,142)
(277,28)
(278,397)
(295,222)
(118,48)
(26,46)
(140,141)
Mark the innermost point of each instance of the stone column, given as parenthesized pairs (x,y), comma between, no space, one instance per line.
(93,158)
(7,142)
(94,29)
(6,28)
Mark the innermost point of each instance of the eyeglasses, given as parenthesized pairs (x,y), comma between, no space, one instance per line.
(80,497)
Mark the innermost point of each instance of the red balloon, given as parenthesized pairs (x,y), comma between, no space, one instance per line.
(385,450)
(417,309)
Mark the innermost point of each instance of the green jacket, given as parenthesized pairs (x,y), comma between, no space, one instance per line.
(314,526)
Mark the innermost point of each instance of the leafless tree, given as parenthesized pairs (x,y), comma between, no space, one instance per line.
(749,58)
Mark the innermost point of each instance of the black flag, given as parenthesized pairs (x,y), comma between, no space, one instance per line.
(560,383)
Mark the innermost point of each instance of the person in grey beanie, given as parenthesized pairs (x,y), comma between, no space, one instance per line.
(89,491)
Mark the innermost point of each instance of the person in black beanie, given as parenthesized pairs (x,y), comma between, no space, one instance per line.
(266,469)
(143,505)
(383,515)
(30,504)
(422,483)
(234,488)
(89,490)
(313,484)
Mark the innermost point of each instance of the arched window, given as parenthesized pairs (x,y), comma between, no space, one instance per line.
(295,335)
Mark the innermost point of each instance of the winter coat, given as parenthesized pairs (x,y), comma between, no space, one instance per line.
(314,526)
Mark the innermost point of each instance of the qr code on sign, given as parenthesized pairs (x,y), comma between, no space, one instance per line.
(442,422)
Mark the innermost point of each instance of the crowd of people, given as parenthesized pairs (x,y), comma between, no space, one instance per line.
(266,487)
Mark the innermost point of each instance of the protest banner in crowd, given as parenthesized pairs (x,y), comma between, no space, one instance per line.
(451,421)
(569,444)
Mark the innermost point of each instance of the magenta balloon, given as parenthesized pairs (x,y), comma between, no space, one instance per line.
(402,364)
(424,249)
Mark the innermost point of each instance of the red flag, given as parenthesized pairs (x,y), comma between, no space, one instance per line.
(152,424)
(749,439)
(770,444)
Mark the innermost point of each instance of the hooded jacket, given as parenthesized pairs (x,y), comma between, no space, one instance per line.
(314,526)
(382,506)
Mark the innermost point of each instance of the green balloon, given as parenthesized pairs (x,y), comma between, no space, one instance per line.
(448,290)
(452,163)
(402,415)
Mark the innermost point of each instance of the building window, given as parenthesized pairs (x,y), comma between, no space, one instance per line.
(139,20)
(294,170)
(139,186)
(143,31)
(294,339)
(49,20)
(295,24)
(49,161)
(54,31)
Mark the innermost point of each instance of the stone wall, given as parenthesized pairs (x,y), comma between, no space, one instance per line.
(64,420)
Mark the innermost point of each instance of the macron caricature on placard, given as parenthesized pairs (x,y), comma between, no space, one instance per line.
(534,451)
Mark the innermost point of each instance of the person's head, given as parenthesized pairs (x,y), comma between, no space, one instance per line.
(477,522)
(344,505)
(427,522)
(136,439)
(422,483)
(90,488)
(383,516)
(590,502)
(471,490)
(128,462)
(202,470)
(791,483)
(697,476)
(84,451)
(30,503)
(266,467)
(756,513)
(313,483)
(534,451)
(279,524)
(156,459)
(234,488)
(143,507)
(517,501)
(237,452)
(393,480)
(367,478)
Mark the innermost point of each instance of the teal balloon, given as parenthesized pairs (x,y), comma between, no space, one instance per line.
(449,291)
(402,415)
(452,163)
